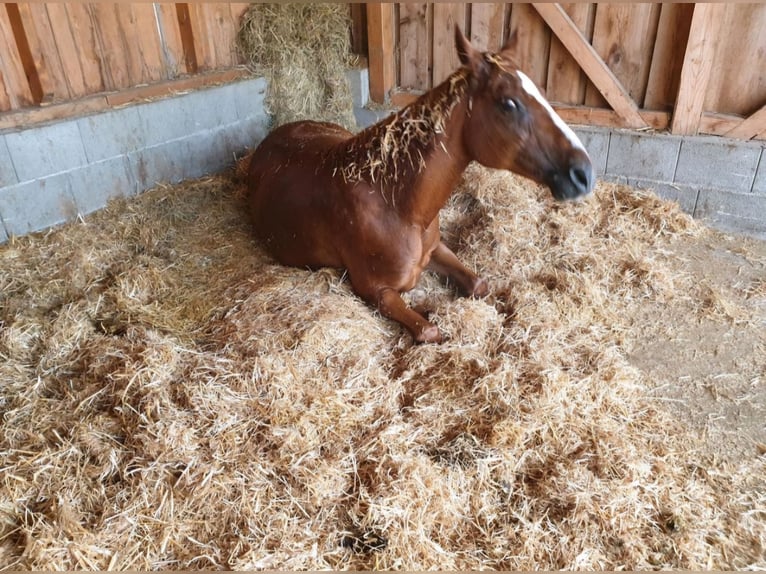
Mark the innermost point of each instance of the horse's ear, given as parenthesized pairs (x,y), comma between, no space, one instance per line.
(469,56)
(511,43)
(464,49)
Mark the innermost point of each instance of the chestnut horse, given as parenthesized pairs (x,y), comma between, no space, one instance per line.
(369,203)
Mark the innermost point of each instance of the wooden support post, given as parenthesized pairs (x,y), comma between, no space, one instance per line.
(380,35)
(593,66)
(695,73)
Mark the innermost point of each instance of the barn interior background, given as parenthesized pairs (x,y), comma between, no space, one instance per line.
(677,69)
(171,398)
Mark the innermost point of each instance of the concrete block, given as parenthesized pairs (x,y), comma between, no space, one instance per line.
(7,171)
(684,195)
(46,150)
(643,156)
(731,211)
(249,97)
(211,107)
(759,184)
(174,118)
(95,184)
(596,141)
(111,133)
(717,163)
(35,205)
(207,153)
(359,82)
(366,117)
(161,163)
(3,233)
(237,139)
(620,179)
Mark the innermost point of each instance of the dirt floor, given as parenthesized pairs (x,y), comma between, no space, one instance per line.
(710,371)
(171,398)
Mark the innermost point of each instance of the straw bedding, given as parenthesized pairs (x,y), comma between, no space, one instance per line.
(304,51)
(172,398)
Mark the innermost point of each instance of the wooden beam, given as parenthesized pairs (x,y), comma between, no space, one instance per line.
(584,115)
(717,124)
(593,66)
(695,73)
(31,116)
(380,50)
(750,127)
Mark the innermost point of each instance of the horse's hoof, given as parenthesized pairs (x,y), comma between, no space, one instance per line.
(480,288)
(429,334)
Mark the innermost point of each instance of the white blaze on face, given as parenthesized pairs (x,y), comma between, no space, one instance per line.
(530,87)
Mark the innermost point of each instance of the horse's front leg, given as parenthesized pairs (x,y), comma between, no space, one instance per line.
(445,262)
(391,305)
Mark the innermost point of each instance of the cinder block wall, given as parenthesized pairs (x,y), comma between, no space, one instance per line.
(719,180)
(50,174)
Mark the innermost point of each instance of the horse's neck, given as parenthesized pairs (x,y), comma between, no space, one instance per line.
(416,156)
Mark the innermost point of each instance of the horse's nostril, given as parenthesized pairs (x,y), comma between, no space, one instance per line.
(581,178)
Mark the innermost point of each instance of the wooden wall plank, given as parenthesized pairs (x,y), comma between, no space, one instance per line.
(66,50)
(566,81)
(414,44)
(358,28)
(667,59)
(380,31)
(170,40)
(487,25)
(143,51)
(624,35)
(698,63)
(5,100)
(203,44)
(533,42)
(598,72)
(76,43)
(738,75)
(16,92)
(215,30)
(445,59)
(44,51)
(112,50)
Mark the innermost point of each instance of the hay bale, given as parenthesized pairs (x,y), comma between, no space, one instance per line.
(304,50)
(174,399)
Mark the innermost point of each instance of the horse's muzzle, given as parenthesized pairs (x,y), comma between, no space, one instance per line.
(576,180)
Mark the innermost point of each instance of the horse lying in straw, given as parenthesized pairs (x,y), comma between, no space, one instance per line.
(369,203)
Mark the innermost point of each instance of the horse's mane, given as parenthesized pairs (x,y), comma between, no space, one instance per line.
(395,147)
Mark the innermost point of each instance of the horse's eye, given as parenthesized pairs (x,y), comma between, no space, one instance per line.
(510,105)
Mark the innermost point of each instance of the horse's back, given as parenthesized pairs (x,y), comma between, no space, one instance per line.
(304,136)
(292,190)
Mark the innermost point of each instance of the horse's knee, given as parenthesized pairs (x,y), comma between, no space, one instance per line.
(391,305)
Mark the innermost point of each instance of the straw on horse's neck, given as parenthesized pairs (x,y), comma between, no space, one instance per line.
(394,150)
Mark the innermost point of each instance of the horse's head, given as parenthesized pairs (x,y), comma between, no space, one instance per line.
(510,125)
